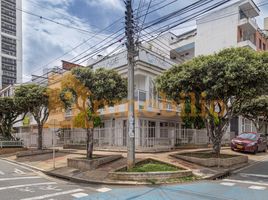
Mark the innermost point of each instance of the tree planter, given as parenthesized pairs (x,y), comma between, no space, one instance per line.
(145,176)
(226,161)
(84,164)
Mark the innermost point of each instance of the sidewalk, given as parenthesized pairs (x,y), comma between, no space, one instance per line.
(44,163)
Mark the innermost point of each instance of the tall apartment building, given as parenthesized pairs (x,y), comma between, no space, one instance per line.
(11,42)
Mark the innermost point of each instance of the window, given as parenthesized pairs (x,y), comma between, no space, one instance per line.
(264,47)
(164,129)
(260,44)
(151,131)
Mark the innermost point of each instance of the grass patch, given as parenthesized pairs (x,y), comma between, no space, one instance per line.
(207,155)
(151,166)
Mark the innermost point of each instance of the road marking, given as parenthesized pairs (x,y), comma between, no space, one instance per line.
(2,173)
(104,189)
(255,187)
(17,171)
(254,163)
(246,182)
(19,178)
(227,184)
(26,185)
(79,195)
(54,194)
(254,175)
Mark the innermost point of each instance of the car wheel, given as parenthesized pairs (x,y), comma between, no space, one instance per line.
(265,150)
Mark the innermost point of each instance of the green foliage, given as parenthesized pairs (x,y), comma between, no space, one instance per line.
(92,90)
(35,99)
(153,166)
(229,77)
(9,113)
(106,86)
(68,96)
(256,110)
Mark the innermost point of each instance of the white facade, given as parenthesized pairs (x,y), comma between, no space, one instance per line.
(11,42)
(230,26)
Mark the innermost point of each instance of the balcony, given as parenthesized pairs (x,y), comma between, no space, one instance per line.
(120,60)
(247,42)
(143,103)
(249,24)
(249,8)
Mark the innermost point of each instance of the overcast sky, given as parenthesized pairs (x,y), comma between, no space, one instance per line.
(44,41)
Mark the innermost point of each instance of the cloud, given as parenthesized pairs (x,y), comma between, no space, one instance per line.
(44,41)
(111,4)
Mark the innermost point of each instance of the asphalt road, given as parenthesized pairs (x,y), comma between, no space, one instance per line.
(20,183)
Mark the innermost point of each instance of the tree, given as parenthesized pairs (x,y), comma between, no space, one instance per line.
(90,91)
(10,113)
(36,99)
(256,110)
(224,81)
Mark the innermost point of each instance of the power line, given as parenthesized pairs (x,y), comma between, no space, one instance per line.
(116,37)
(84,42)
(183,9)
(55,22)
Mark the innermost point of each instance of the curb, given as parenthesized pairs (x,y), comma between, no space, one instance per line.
(80,180)
(73,179)
(226,173)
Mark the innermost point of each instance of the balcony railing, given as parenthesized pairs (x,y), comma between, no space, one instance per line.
(145,102)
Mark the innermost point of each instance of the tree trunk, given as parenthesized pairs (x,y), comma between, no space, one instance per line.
(216,133)
(90,132)
(40,137)
(217,146)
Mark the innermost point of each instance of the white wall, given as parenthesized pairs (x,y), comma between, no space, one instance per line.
(217,31)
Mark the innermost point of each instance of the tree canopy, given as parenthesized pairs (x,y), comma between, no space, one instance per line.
(10,113)
(35,99)
(90,91)
(222,82)
(256,110)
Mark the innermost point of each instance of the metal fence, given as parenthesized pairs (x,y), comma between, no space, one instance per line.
(4,144)
(146,137)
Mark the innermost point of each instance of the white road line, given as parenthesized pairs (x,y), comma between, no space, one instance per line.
(254,163)
(227,184)
(2,173)
(21,166)
(18,171)
(255,187)
(79,195)
(19,178)
(255,175)
(104,189)
(26,185)
(53,195)
(246,182)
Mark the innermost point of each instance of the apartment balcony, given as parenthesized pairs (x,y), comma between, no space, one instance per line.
(248,24)
(143,102)
(144,55)
(249,8)
(247,43)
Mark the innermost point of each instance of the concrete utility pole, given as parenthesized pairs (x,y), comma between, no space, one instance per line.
(131,54)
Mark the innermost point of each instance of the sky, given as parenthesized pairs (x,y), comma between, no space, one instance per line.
(46,43)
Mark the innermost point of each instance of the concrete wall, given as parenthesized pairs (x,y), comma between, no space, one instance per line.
(217,31)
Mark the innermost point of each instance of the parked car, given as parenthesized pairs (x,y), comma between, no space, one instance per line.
(250,142)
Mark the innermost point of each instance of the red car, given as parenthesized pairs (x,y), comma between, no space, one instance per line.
(249,142)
